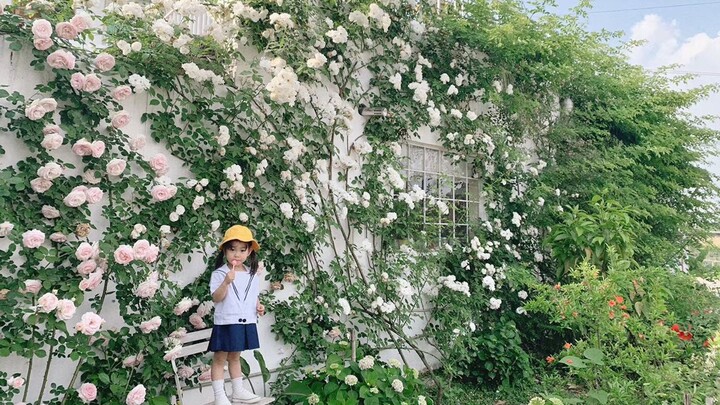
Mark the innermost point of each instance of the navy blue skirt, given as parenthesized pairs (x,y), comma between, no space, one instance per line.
(234,338)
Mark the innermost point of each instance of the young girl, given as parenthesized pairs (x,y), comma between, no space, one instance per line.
(235,288)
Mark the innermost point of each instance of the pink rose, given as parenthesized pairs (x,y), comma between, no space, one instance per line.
(76,198)
(92,281)
(51,129)
(115,167)
(32,286)
(149,287)
(185,372)
(86,267)
(136,396)
(58,237)
(87,392)
(52,141)
(136,142)
(151,325)
(49,104)
(42,28)
(197,322)
(16,382)
(204,308)
(104,62)
(50,171)
(162,192)
(121,93)
(65,310)
(50,212)
(43,44)
(124,255)
(89,324)
(98,148)
(89,177)
(65,30)
(140,249)
(40,185)
(133,361)
(172,353)
(183,306)
(81,22)
(85,251)
(77,81)
(48,302)
(151,254)
(33,238)
(159,164)
(35,111)
(83,147)
(61,59)
(205,376)
(120,119)
(92,83)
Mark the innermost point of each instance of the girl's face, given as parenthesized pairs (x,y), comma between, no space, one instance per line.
(237,251)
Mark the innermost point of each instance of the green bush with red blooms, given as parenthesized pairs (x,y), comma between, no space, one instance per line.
(634,335)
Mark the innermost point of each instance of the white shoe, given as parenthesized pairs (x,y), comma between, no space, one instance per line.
(245,396)
(223,400)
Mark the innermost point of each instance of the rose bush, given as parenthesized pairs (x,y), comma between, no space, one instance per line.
(257,117)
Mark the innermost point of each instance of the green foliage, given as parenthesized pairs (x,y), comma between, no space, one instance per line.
(342,381)
(608,232)
(634,340)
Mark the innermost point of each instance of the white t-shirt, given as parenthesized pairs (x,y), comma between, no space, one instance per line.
(240,303)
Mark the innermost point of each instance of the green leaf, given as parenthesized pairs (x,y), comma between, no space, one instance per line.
(263,367)
(594,356)
(298,389)
(15,46)
(573,361)
(599,395)
(244,367)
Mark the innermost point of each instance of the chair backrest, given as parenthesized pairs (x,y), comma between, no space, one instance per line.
(193,343)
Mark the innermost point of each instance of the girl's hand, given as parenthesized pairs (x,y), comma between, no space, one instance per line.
(260,309)
(230,276)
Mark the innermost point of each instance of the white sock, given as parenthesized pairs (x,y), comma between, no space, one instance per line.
(237,385)
(219,388)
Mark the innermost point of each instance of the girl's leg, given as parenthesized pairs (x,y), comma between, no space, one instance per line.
(239,393)
(217,374)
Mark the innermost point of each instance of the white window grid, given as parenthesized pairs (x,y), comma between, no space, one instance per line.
(429,167)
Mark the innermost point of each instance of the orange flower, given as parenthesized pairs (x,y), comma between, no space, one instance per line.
(623,307)
(575,314)
(569,361)
(612,303)
(626,315)
(557,286)
(550,359)
(567,345)
(612,314)
(619,299)
(706,343)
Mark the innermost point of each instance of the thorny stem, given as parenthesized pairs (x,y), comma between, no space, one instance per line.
(47,370)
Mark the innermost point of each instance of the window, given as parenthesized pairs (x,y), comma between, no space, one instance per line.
(451,182)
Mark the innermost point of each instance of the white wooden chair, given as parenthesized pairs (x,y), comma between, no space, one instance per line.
(193,343)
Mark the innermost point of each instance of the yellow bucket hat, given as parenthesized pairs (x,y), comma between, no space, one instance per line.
(241,233)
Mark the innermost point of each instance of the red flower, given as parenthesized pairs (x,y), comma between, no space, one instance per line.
(557,286)
(706,343)
(623,307)
(612,303)
(675,328)
(550,359)
(567,345)
(686,336)
(619,299)
(569,361)
(626,315)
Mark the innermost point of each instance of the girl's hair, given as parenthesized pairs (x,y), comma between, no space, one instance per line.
(251,262)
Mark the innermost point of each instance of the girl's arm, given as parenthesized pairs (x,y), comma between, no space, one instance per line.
(219,294)
(260,308)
